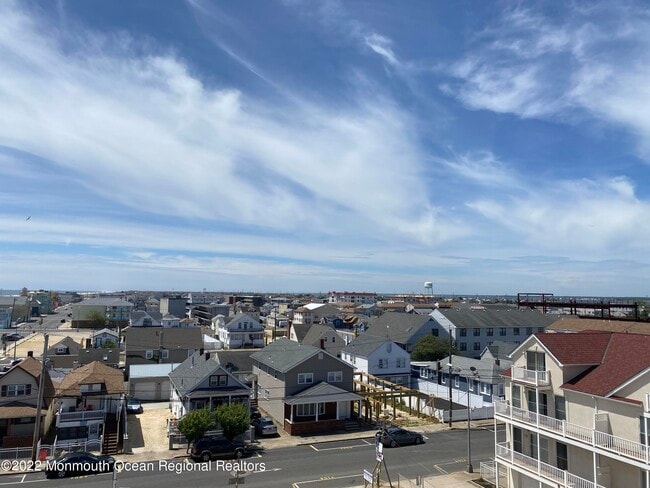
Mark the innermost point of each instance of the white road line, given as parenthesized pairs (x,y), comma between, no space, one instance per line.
(343,448)
(298,484)
(440,469)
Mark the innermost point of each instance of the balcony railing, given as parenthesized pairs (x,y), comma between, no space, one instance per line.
(557,476)
(530,376)
(81,416)
(606,442)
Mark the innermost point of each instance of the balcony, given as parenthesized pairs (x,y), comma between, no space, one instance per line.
(80,417)
(559,477)
(604,443)
(531,377)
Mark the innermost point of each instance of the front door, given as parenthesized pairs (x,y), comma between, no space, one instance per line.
(93,431)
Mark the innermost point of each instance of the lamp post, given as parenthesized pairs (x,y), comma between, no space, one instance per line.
(449,379)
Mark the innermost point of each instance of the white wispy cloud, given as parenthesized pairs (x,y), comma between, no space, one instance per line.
(133,124)
(594,60)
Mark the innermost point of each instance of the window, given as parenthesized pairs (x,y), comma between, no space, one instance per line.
(424,372)
(517,439)
(462,346)
(305,378)
(383,363)
(535,361)
(401,362)
(490,331)
(477,346)
(644,422)
(389,347)
(560,408)
(16,390)
(477,331)
(562,455)
(456,381)
(309,409)
(532,402)
(470,384)
(534,448)
(485,388)
(529,331)
(515,331)
(434,332)
(335,376)
(165,354)
(516,396)
(543,449)
(463,332)
(148,354)
(502,331)
(219,380)
(540,329)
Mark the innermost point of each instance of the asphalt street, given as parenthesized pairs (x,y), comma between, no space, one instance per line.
(318,465)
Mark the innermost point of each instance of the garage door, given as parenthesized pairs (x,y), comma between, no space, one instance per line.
(150,390)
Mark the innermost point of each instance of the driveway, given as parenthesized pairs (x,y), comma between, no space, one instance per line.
(148,431)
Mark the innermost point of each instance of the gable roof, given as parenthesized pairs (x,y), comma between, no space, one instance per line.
(500,349)
(141,338)
(467,317)
(584,348)
(284,354)
(105,302)
(72,345)
(624,357)
(399,327)
(104,331)
(315,333)
(300,330)
(236,361)
(92,373)
(187,376)
(239,316)
(365,344)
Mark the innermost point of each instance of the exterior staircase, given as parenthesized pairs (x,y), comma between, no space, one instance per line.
(111,436)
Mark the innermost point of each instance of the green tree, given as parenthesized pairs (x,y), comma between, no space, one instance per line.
(233,419)
(196,423)
(96,318)
(431,348)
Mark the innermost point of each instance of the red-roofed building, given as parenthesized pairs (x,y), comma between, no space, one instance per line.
(577,411)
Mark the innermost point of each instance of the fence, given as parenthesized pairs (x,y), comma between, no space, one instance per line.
(77,445)
(26,452)
(404,482)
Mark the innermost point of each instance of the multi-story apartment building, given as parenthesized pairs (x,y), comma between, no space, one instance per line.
(352,297)
(116,311)
(577,412)
(175,306)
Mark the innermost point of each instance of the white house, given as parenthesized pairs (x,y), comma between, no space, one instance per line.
(380,357)
(242,331)
(103,336)
(577,412)
(170,321)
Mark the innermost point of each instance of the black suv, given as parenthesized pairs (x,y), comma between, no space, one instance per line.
(207,448)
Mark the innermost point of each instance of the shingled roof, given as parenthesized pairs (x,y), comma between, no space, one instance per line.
(112,380)
(284,354)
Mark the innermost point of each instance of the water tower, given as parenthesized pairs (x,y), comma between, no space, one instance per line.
(428,285)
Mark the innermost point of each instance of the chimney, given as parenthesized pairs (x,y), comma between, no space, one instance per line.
(207,356)
(497,361)
(201,352)
(322,343)
(30,354)
(88,344)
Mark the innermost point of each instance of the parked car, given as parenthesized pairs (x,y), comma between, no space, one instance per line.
(78,464)
(13,337)
(207,448)
(13,363)
(264,426)
(134,406)
(396,436)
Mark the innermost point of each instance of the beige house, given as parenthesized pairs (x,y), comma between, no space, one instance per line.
(577,412)
(18,402)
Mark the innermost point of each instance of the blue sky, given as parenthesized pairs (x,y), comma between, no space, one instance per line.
(489,147)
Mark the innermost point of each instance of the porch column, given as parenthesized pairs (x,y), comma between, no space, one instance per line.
(291,413)
(337,410)
(317,408)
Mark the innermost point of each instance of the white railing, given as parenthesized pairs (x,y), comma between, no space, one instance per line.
(25,452)
(78,445)
(558,476)
(647,402)
(537,378)
(607,442)
(80,416)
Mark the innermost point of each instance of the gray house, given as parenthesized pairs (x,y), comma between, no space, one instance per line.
(403,328)
(304,388)
(156,345)
(200,381)
(475,327)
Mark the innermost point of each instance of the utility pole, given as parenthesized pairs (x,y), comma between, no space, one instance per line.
(449,379)
(41,384)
